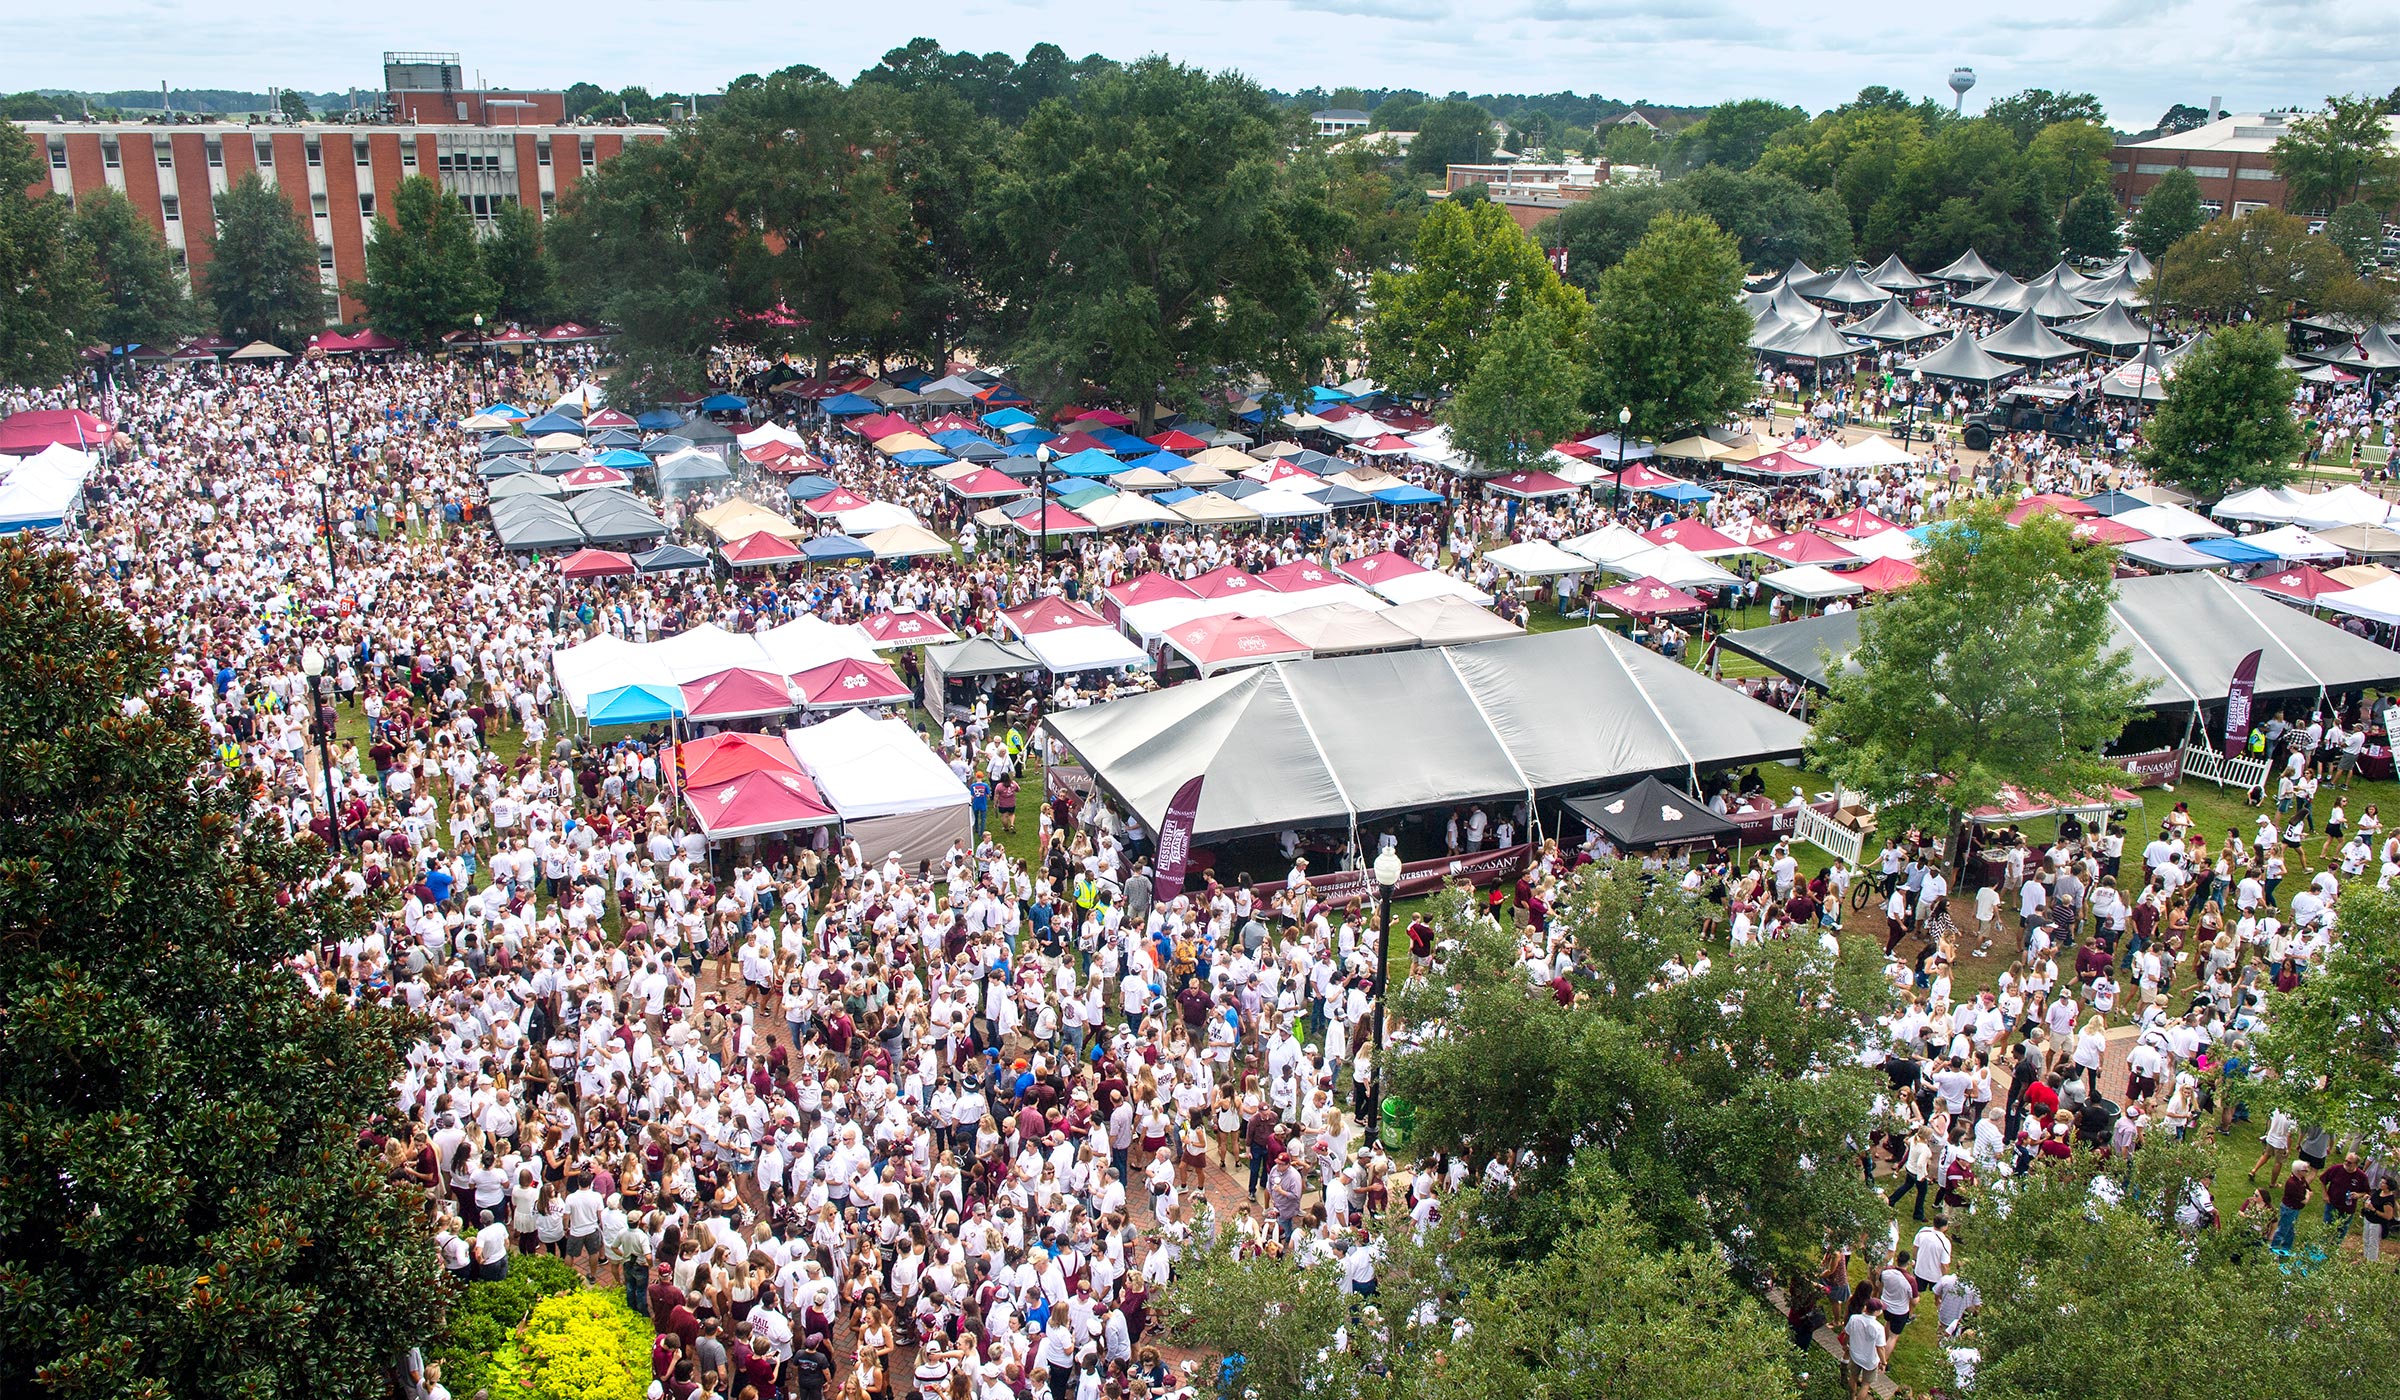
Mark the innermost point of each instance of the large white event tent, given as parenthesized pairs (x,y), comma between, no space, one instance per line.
(41,491)
(1310,743)
(893,794)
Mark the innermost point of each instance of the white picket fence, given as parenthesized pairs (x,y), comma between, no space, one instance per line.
(1828,835)
(2207,764)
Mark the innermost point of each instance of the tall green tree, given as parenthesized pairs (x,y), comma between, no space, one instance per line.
(524,283)
(142,300)
(634,248)
(2341,154)
(1150,239)
(48,317)
(2065,1258)
(425,275)
(2069,159)
(1774,219)
(190,1208)
(1997,670)
(2089,229)
(2168,214)
(262,278)
(1473,270)
(293,106)
(1450,133)
(1718,1108)
(2357,229)
(2227,419)
(1524,394)
(1734,134)
(945,156)
(2330,1049)
(1670,340)
(2029,112)
(2265,265)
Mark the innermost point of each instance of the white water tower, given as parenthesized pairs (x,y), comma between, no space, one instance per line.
(1961,78)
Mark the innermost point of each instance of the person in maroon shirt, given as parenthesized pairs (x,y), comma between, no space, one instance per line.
(2091,959)
(2345,1181)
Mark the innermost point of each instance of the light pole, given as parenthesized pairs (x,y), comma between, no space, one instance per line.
(1617,503)
(325,398)
(1916,404)
(479,362)
(312,663)
(333,572)
(1387,882)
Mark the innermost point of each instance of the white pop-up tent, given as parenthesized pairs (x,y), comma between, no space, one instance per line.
(892,792)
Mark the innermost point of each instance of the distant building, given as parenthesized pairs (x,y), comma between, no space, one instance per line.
(2231,157)
(1389,143)
(1531,192)
(1339,121)
(490,148)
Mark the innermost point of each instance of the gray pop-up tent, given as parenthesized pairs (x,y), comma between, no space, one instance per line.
(1964,361)
(973,659)
(2028,340)
(2002,294)
(1850,290)
(1311,743)
(2184,633)
(1969,267)
(1892,323)
(1893,276)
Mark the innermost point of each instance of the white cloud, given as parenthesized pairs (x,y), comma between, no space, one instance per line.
(2138,55)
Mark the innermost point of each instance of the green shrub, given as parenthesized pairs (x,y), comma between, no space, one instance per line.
(546,1273)
(577,1346)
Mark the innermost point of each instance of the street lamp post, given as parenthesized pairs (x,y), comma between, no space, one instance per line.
(325,399)
(479,361)
(333,570)
(312,663)
(1617,501)
(1916,403)
(1387,882)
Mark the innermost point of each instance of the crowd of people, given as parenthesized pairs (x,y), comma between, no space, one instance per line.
(843,1125)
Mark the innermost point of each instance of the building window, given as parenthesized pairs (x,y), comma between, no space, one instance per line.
(316,154)
(216,154)
(58,154)
(2210,172)
(359,152)
(2119,166)
(165,153)
(2211,208)
(325,256)
(170,208)
(549,204)
(541,151)
(2260,173)
(366,204)
(589,156)
(316,205)
(183,263)
(109,155)
(265,150)
(408,155)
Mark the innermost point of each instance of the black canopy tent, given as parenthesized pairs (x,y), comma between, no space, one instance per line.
(2003,294)
(1893,276)
(1650,816)
(2028,340)
(2111,328)
(1849,290)
(1969,267)
(1964,361)
(1892,323)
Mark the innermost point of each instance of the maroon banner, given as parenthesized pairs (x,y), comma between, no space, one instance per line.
(1175,835)
(1480,869)
(2153,769)
(2237,705)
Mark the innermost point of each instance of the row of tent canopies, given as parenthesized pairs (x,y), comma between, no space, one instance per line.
(606,516)
(2062,315)
(334,342)
(2183,634)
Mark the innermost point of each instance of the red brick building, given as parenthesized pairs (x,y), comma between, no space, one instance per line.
(492,149)
(2232,158)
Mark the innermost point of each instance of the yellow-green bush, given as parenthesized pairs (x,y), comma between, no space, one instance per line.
(576,1346)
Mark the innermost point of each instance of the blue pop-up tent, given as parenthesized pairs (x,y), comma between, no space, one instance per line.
(919,457)
(1407,496)
(621,457)
(656,418)
(554,423)
(1008,418)
(849,406)
(1091,462)
(635,704)
(2234,551)
(501,410)
(724,403)
(834,549)
(1683,491)
(1165,462)
(808,488)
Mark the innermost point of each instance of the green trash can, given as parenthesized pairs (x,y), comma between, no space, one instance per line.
(1399,1124)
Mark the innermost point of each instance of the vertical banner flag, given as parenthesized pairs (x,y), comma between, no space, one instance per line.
(1175,838)
(2237,706)
(1558,260)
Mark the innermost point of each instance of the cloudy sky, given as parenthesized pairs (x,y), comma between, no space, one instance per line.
(2138,55)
